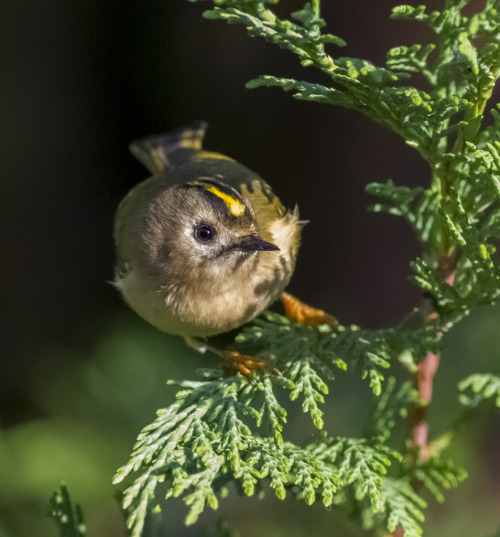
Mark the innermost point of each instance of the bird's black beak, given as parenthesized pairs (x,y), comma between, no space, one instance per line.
(252,243)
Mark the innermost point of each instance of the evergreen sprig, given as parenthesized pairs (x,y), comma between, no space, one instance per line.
(438,475)
(370,352)
(478,388)
(224,429)
(228,430)
(403,507)
(69,518)
(391,406)
(359,462)
(202,441)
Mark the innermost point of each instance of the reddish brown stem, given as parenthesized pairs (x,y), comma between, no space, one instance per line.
(398,532)
(426,370)
(418,417)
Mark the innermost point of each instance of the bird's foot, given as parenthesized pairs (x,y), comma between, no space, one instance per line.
(304,314)
(234,362)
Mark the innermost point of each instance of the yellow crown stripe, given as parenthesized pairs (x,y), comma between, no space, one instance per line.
(208,154)
(234,205)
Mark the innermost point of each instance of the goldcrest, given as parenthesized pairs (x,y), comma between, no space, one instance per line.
(203,245)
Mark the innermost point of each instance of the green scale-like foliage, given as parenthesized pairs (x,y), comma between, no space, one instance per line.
(227,429)
(478,388)
(224,430)
(69,518)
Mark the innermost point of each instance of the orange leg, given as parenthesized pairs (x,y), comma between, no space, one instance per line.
(304,314)
(234,362)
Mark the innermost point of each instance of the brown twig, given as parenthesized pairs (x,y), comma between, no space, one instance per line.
(424,378)
(419,426)
(398,532)
(426,370)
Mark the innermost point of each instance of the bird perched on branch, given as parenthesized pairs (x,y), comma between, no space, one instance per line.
(203,246)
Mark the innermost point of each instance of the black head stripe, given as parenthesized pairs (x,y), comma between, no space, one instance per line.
(222,197)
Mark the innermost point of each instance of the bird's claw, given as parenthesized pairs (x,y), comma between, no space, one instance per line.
(234,362)
(296,310)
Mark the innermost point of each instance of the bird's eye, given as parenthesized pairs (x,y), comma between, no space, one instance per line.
(204,233)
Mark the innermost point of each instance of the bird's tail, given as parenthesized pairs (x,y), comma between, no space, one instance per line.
(157,152)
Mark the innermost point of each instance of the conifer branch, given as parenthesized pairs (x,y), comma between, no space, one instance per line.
(222,430)
(68,518)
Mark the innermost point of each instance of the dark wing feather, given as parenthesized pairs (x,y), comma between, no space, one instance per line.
(157,152)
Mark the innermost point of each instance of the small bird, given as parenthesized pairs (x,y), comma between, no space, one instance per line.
(203,245)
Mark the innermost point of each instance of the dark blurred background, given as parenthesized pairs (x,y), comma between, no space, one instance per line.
(80,374)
